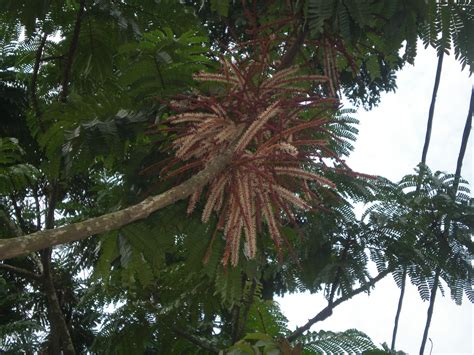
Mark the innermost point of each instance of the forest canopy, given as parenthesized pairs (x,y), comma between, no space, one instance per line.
(167,168)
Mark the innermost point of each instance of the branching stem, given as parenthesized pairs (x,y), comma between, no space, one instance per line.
(327,311)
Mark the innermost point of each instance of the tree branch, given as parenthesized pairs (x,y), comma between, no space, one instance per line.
(17,232)
(10,248)
(327,311)
(72,49)
(196,340)
(34,79)
(291,53)
(20,271)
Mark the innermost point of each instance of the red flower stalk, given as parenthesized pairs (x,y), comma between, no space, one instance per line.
(274,158)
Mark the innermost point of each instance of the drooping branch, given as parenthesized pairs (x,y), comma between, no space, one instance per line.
(10,248)
(72,50)
(327,311)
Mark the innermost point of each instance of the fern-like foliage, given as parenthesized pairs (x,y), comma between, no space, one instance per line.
(162,62)
(265,316)
(450,23)
(438,23)
(426,225)
(14,175)
(328,342)
(351,341)
(19,332)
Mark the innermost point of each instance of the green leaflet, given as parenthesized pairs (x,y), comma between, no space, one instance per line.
(349,341)
(14,175)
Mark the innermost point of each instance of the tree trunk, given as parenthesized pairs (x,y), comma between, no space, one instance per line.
(457,177)
(430,311)
(399,308)
(429,127)
(464,140)
(59,336)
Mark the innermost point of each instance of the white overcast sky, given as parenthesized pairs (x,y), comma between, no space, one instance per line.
(390,144)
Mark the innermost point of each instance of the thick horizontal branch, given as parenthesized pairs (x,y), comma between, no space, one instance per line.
(327,311)
(12,247)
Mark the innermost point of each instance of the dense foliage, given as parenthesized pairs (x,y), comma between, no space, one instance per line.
(100,109)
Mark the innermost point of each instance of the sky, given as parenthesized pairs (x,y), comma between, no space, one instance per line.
(390,144)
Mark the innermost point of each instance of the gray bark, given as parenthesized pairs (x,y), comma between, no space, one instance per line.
(17,246)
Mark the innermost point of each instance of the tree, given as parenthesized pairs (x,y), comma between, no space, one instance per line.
(103,122)
(448,228)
